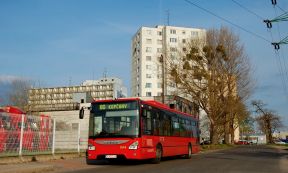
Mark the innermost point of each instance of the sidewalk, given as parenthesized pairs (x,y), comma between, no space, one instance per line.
(60,164)
(31,167)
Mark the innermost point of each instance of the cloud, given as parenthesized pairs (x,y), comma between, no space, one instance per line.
(10,78)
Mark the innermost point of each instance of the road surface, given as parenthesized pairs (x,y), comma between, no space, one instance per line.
(242,159)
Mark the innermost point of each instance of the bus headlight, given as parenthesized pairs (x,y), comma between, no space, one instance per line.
(134,146)
(91,147)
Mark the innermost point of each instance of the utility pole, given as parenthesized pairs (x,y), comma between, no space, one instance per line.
(168,17)
(163,80)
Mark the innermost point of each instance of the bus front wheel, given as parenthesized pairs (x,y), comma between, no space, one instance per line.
(189,154)
(158,156)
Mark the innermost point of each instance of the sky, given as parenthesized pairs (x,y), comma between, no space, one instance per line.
(64,42)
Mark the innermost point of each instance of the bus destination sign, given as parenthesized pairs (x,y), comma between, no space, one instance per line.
(131,105)
(116,106)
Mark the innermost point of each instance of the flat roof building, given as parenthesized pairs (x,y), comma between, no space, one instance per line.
(69,97)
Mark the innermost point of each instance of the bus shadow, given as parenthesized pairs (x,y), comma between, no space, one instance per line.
(124,162)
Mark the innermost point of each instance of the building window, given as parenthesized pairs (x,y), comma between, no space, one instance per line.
(173,40)
(149,94)
(159,85)
(194,33)
(183,40)
(173,49)
(173,57)
(148,49)
(75,126)
(148,67)
(159,50)
(159,41)
(148,58)
(149,32)
(148,76)
(159,93)
(183,32)
(159,33)
(172,84)
(148,41)
(172,31)
(148,85)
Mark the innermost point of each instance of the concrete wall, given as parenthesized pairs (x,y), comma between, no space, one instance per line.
(67,124)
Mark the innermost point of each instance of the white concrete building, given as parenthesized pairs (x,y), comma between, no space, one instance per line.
(148,46)
(68,97)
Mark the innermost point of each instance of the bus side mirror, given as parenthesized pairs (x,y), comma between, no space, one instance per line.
(81,113)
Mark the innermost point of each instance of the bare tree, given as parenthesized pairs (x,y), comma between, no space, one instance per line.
(216,74)
(268,120)
(18,94)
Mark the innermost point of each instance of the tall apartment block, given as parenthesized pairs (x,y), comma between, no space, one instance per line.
(150,48)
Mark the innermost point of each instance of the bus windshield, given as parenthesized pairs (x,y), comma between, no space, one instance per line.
(114,119)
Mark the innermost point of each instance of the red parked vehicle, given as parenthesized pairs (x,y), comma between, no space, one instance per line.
(3,132)
(135,129)
(242,142)
(35,130)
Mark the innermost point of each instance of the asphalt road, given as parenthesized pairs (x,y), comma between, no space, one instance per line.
(243,159)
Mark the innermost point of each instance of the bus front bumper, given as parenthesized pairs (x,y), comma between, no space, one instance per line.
(134,154)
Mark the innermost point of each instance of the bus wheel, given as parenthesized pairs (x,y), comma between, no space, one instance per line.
(157,159)
(189,155)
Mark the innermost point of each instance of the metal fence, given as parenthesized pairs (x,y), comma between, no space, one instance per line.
(22,134)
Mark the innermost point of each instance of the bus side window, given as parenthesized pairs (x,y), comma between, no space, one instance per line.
(182,127)
(175,127)
(194,129)
(161,124)
(166,124)
(156,122)
(147,124)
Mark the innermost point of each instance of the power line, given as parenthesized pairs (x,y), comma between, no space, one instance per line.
(282,73)
(280,59)
(226,20)
(280,68)
(274,3)
(245,8)
(281,8)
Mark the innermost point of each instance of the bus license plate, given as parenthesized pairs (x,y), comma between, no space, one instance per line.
(111,156)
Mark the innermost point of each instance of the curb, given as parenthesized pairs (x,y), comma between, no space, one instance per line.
(37,158)
(24,168)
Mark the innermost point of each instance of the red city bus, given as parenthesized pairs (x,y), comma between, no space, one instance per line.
(132,128)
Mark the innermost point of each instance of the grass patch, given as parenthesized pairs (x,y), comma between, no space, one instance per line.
(281,146)
(215,147)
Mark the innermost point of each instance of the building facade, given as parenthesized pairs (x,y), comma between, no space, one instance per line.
(151,48)
(69,97)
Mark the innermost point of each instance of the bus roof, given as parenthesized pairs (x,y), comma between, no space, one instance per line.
(12,109)
(148,102)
